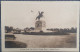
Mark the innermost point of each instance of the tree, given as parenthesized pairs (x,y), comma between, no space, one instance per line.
(8,29)
(32,28)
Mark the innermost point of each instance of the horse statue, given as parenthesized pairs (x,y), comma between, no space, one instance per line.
(40,15)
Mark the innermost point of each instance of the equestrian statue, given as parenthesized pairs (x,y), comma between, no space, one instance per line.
(40,15)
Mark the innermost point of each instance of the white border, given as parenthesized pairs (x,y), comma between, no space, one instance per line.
(36,49)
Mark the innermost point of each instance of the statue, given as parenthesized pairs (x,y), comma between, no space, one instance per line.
(40,15)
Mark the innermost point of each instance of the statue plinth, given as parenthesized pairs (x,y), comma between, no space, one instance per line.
(40,25)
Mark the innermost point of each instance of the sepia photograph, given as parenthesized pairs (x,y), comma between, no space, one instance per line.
(40,24)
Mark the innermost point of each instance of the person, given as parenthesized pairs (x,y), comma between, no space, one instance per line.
(40,15)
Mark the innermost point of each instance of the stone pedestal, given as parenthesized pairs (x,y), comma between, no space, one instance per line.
(40,25)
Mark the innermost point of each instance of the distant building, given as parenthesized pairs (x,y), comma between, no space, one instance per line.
(22,31)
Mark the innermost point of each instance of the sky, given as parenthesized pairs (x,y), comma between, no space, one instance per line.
(57,14)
